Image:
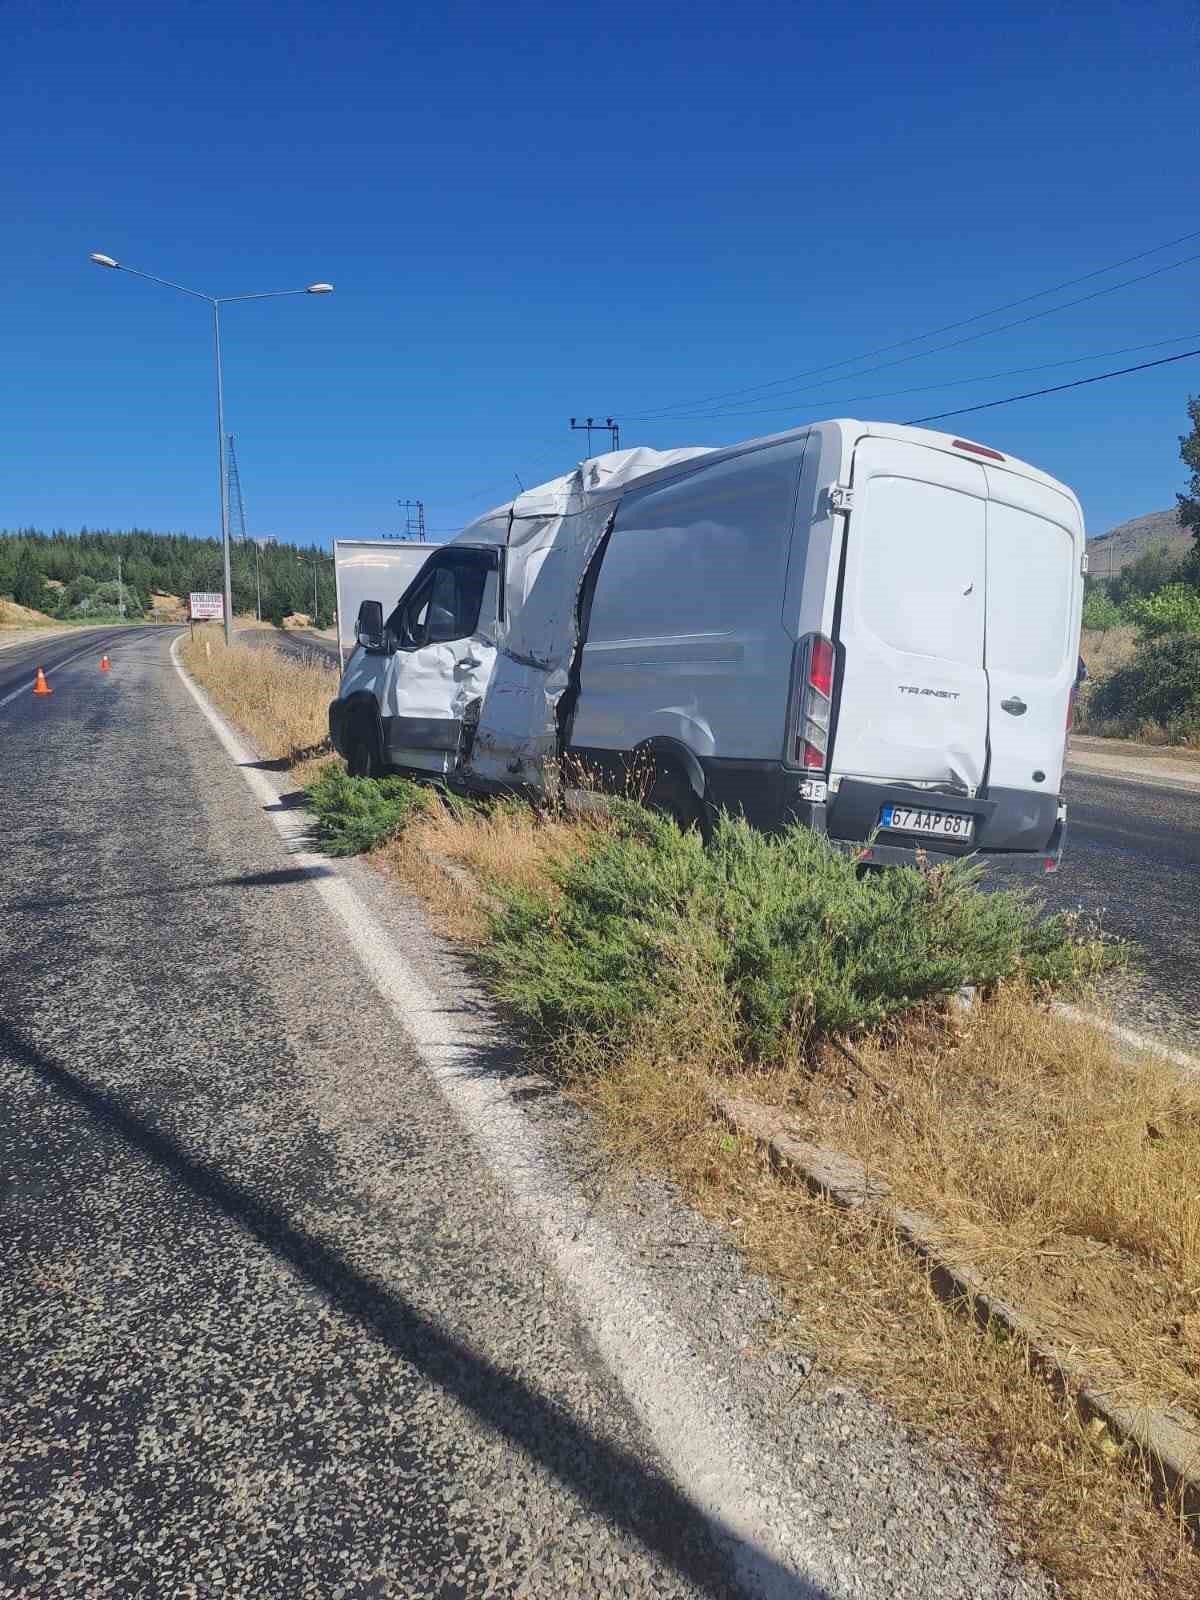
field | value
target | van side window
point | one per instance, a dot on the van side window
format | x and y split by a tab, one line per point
446	607
704	556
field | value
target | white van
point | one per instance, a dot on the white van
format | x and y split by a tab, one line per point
867	628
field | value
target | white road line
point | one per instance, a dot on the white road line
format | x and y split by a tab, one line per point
651	1361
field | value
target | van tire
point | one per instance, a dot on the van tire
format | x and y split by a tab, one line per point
672	795
362	749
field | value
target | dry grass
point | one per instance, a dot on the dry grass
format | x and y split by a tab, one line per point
1068	1177
506	843
282	703
1145	733
1105	651
863	1307
13	615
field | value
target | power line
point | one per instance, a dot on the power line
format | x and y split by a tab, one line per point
1033	394
1003	327
758	389
948	383
495	487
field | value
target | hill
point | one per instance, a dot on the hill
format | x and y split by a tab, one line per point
13	615
1109	552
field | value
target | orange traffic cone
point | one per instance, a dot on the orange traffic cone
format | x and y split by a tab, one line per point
105	664
40	685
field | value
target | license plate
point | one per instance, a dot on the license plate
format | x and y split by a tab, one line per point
938	824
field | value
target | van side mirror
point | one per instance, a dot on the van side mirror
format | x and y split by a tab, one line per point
368	628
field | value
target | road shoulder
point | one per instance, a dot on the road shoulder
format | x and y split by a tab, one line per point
1153	765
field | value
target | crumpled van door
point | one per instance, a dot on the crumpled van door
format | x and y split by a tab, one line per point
913	704
444	632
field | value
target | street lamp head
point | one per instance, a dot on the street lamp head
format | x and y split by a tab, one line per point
103	261
313	288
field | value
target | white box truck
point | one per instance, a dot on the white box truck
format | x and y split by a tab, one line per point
864	627
365	568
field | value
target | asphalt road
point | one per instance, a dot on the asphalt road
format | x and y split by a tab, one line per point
1132	862
296	1304
19	662
296	642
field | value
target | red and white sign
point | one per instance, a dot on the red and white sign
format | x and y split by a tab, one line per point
206	607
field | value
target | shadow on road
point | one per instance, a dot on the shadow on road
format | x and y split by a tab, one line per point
620	1488
243	880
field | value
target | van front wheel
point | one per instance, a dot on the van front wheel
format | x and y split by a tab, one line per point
362	750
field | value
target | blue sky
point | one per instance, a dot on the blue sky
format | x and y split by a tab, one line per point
533	210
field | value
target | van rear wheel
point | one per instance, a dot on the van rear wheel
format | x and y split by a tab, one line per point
673	796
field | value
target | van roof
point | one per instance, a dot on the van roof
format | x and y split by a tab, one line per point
852	429
619	471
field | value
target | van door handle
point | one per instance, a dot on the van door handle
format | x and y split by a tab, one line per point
1015	706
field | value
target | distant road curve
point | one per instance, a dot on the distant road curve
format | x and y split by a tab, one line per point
296	642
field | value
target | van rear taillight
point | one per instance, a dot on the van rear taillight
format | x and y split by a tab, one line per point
820	666
810	704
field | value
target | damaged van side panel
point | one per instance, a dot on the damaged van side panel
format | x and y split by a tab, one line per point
552	534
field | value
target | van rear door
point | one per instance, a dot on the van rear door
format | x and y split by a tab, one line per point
913	704
1034	555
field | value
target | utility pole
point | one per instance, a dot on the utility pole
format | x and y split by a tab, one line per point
588	423
258	544
233	491
414	519
120	589
316	566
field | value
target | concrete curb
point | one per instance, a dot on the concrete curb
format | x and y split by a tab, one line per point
462	878
1169	1439
1127	1037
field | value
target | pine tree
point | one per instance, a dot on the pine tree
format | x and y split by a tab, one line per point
1189	453
28	587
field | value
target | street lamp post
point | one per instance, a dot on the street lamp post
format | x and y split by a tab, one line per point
317	557
216	302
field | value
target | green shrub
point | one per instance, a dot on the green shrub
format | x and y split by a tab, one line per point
795	942
1173	609
1145	576
356	814
104	599
1161	684
1101	613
